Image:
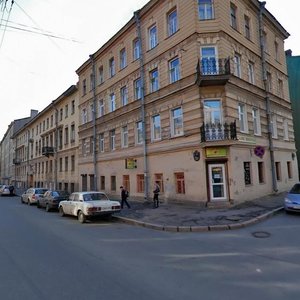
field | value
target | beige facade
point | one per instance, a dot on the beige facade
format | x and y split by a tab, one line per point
214	122
46	148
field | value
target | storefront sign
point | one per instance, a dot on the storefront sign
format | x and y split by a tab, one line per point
216	152
130	163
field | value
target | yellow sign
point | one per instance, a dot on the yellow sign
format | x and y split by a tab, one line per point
130	163
216	152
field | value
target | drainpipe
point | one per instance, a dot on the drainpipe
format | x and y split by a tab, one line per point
55	145
267	98
142	74
94	121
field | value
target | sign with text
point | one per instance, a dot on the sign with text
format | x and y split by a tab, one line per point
216	152
130	163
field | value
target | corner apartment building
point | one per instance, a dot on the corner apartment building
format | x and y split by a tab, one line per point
46	148
193	95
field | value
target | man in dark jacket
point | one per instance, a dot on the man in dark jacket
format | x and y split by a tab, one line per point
124	196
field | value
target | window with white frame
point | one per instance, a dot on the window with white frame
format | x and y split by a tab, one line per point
112	102
251	72
233	16
176	121
139	132
72	133
274	126
172	22
92	112
212	111
84	116
112	137
243	117
237	65
269	81
123	59
124	137
285	130
209	60
101	142
84	87
155	128
112	67
91	81
154	85
264	41
101	75
101	107
205	9
137	89
152	37
256	121
247	27
136	49
124	95
174	70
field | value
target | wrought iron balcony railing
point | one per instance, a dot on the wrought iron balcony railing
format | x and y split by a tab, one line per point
48	151
218	132
213	66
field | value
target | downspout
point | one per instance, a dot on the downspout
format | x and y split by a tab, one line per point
55	145
94	121
142	74
267	98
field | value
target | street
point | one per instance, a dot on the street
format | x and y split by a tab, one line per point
45	256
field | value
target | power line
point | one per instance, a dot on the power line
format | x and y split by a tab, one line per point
4	7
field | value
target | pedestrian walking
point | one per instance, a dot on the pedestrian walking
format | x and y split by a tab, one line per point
124	196
155	195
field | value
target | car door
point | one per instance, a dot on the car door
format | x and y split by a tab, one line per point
75	205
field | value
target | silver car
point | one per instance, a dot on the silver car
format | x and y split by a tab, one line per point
32	195
85	205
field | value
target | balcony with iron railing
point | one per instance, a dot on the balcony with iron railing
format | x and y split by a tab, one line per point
211	71
218	132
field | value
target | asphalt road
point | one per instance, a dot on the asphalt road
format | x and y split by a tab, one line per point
45	256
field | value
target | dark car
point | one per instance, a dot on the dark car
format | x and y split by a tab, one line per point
51	199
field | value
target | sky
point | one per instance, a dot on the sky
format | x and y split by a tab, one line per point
38	61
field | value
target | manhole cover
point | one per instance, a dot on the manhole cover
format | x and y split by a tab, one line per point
261	234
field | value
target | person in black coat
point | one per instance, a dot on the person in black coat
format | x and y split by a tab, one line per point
124	196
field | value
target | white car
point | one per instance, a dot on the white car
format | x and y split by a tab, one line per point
86	205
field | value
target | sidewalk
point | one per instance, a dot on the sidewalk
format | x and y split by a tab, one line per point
176	217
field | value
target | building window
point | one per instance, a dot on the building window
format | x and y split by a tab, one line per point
60	164
126	182
209	61
61	113
172	22
102	183
112	138
138	89
91	82
206	10
84	116
285	130
112	68
73	163
280	88
269	82
155	128
247	173
124	137
289	169
140	183
101	108
159	179
84	87
66	110
212	112
278	170
251	72
101	74
66	163
152	37
139	132
91	145
261	172
113	183
136	49
247	27
92	112
154	85
276	49
174	70
256	121
123	59
72	108
264	41
72	133
101	142
233	16
177	122
66	135
274	126
237	65
180	184
124	95
112	102
243	117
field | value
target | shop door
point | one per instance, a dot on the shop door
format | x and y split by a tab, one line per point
217	182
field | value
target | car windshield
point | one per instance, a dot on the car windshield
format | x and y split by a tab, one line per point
40	191
60	194
295	189
94	196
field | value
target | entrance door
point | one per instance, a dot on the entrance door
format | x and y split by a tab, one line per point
217	182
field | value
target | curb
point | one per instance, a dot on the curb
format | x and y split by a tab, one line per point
203	228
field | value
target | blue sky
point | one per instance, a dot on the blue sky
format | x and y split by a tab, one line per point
36	69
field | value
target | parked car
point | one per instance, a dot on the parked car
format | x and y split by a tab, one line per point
50	200
32	195
6	190
86	205
292	199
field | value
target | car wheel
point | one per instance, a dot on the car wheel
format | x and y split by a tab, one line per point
61	211
47	207
81	217
38	204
